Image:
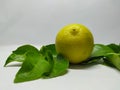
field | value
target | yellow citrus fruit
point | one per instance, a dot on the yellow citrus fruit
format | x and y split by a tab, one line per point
75	42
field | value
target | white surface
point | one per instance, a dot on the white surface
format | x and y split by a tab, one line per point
96	77
38	21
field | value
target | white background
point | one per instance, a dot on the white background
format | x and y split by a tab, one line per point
37	22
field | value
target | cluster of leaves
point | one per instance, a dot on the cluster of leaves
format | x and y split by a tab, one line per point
46	63
43	63
105	54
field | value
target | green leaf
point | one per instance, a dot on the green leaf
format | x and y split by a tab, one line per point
42	64
19	54
60	66
115	47
101	50
49	48
98	53
105	54
114	58
34	67
93	60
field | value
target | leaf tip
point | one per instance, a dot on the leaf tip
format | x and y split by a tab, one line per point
5	65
